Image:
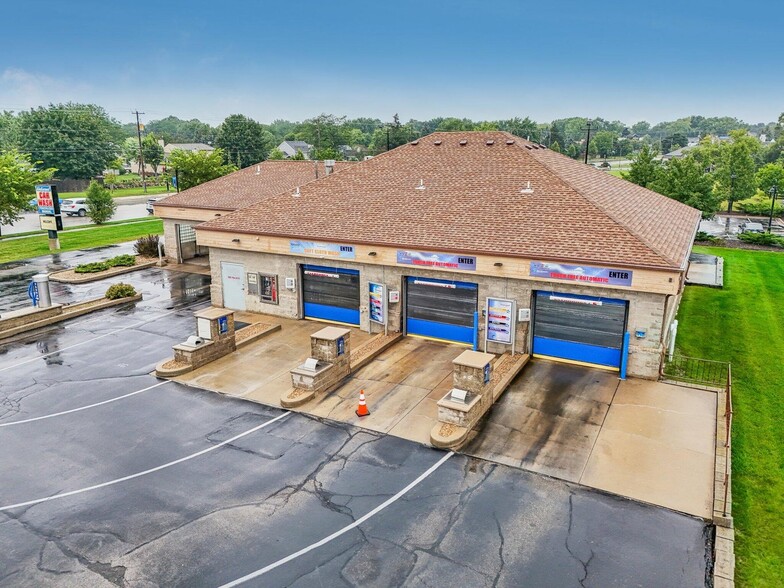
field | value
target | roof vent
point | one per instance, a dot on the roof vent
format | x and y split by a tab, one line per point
528	189
528	147
421	185
297	193
437	142
258	170
489	142
415	142
463	142
510	141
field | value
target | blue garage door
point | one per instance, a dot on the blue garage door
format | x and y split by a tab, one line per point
441	309
579	328
331	294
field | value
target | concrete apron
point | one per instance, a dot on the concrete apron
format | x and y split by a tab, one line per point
402	384
645	440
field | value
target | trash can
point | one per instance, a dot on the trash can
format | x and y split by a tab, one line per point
44	296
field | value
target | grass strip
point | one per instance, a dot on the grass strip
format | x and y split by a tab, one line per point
16	249
742	324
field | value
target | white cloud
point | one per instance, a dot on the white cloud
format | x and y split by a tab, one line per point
21	89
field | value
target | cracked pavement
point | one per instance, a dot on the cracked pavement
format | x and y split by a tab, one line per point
269	494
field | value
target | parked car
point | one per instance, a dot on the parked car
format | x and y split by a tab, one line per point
150	203
751	227
74	207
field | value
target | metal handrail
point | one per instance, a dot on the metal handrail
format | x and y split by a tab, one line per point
728	442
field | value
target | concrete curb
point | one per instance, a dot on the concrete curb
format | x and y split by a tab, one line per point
110	273
69	311
724	541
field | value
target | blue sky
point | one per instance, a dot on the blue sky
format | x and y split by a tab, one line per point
481	60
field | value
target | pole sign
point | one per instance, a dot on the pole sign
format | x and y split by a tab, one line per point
377	299
437	260
580	273
500	324
51	222
45	200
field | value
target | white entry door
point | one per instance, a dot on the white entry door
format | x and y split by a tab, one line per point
233	282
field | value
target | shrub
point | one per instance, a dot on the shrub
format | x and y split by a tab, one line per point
120	290
126	260
703	236
100	204
759	204
762	239
91	268
147	246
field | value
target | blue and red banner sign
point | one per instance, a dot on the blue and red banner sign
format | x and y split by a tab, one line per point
45	200
581	273
437	260
322	249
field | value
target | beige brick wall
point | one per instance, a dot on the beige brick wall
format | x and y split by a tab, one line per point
646	310
170	244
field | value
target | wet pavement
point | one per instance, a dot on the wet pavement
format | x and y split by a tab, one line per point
109	481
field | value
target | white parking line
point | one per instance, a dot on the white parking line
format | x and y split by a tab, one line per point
145	472
37	357
342	531
57	414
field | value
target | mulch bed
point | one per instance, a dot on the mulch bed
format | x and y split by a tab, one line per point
71	277
739	245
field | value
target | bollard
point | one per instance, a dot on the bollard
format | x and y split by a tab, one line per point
44	296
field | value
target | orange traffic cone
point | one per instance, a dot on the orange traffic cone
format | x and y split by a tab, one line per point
362	410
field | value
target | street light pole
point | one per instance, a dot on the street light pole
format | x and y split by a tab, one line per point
774	189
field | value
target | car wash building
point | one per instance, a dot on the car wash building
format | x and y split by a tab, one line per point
183	211
479	239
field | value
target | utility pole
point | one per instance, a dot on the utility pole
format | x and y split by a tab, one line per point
141	155
387	137
587	140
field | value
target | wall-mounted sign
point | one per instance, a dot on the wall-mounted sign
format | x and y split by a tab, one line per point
377	303
322	249
437	260
223	325
341	344
268	288
45	199
487	373
581	273
500	320
51	223
252	280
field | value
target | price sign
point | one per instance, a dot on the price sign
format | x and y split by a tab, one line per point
377	301
500	320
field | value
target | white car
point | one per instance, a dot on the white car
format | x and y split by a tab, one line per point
74	207
751	227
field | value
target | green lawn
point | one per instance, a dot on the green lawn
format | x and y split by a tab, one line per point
15	249
76	227
742	323
120	192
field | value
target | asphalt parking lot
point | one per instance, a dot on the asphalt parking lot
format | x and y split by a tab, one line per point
114	478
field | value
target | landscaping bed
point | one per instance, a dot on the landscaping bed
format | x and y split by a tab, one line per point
73	276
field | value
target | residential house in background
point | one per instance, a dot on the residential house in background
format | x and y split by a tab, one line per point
290	148
192	147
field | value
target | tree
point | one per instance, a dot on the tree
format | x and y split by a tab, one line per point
604	141
196	167
130	152
174	130
641	128
685	180
390	135
152	152
555	147
520	127
80	140
326	153
735	172
9	131
769	175
276	154
298	156
324	130
18	177
243	140
644	169
455	124
100	204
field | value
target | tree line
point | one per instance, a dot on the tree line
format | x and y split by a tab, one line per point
82	140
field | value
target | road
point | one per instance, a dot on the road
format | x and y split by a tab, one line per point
113	478
128	207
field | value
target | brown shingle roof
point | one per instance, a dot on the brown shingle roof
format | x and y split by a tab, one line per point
473	201
249	185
